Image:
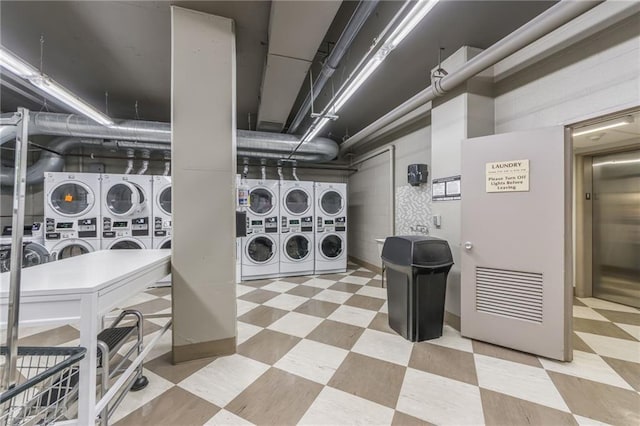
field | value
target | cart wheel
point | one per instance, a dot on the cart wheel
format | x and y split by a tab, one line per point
140	383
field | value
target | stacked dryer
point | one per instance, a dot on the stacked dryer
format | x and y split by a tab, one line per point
33	252
331	227
296	232
260	248
126	211
71	213
162	222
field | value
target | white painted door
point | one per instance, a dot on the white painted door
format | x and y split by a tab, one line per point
516	241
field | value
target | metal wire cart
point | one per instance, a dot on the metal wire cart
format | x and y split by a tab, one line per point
47	388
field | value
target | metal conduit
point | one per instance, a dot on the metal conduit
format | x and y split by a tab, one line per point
543	24
359	17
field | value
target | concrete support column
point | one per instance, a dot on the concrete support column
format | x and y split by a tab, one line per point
203	116
464	113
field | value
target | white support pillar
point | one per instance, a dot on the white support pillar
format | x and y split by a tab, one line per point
466	112
203	117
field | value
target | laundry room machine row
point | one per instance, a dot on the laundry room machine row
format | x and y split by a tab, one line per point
302	233
85	212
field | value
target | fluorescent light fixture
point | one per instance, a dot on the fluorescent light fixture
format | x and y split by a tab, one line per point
72	101
355	84
606	163
315	130
618	123
26	71
16	65
409	22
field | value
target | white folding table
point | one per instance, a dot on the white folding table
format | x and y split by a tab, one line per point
84	289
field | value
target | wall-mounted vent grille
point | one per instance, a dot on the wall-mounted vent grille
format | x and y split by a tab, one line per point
511	294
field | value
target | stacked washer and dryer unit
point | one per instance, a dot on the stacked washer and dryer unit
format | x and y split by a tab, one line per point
313	229
297	235
331	227
72	214
261	246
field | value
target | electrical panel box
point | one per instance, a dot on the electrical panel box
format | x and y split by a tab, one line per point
417	174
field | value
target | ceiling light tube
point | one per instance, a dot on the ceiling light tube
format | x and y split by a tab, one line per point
618	123
72	101
316	129
409	22
355	84
16	65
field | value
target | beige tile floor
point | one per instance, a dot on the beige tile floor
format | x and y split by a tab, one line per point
318	351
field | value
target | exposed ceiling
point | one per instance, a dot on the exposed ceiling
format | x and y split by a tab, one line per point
123	47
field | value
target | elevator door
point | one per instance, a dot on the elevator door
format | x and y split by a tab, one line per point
616	227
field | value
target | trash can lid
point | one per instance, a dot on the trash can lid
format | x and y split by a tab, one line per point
414	250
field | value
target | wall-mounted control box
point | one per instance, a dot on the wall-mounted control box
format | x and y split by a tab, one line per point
417	174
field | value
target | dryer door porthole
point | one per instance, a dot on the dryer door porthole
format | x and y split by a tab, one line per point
71	199
297	248
166	245
261	249
331	202
73	249
261	201
125	198
297	201
164	200
331	247
126	245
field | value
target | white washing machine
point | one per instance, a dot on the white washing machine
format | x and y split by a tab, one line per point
162	212
260	248
34	251
71	213
297	237
126	211
331	227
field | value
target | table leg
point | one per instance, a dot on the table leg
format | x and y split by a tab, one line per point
88	339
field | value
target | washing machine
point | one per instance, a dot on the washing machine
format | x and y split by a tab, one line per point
71	213
161	212
331	227
260	248
34	251
297	256
126	211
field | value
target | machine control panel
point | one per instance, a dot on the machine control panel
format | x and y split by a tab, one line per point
341	224
159	223
87	228
284	225
271	225
267	225
298	224
140	227
59	230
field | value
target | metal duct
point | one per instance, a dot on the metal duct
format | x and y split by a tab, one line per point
263	169
249	143
130	156
359	17
543	24
145	154
167	164
293	171
52	160
49	161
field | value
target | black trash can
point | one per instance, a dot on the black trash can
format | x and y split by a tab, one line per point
417	269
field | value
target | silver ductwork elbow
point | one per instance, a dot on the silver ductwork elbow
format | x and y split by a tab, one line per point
130	157
263	169
293	171
145	161
167	163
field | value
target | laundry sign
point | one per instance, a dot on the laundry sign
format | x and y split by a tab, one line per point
507	176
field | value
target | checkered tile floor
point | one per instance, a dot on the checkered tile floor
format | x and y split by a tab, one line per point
318	350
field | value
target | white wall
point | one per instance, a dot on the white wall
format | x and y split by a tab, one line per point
598	75
369	196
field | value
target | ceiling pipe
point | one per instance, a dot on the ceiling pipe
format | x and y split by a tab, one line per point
543	24
249	143
357	20
50	160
